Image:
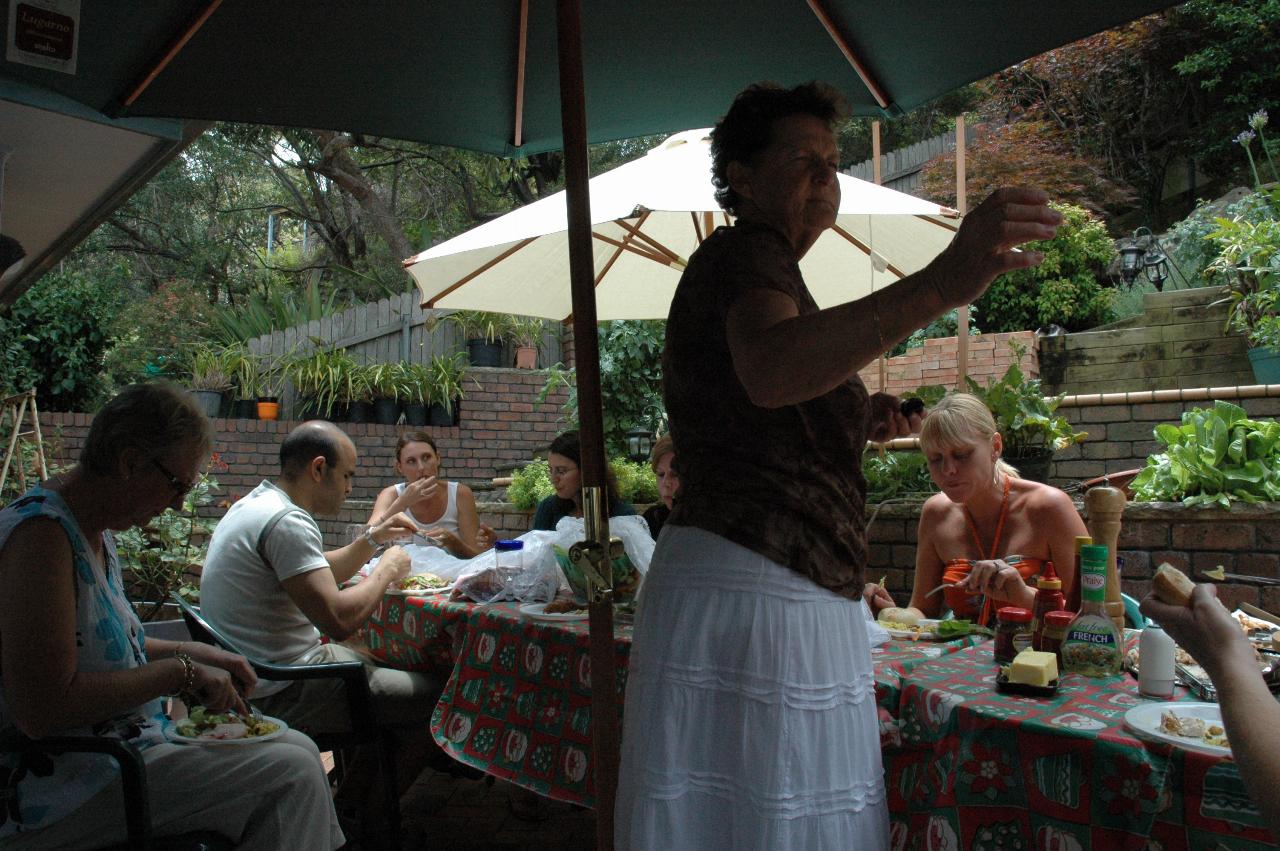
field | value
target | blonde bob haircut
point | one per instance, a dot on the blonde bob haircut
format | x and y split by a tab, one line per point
958	419
663	446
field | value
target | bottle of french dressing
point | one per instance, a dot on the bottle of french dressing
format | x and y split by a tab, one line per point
1092	646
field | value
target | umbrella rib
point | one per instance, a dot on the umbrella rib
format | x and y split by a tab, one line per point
520	62
627	245
873	85
866	249
697	226
173	50
950	214
431	302
648	240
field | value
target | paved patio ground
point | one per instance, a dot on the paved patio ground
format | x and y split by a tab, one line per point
441	811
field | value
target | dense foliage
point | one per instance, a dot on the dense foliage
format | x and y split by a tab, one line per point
1214	457
1028	420
896	475
1063	290
54	337
532	483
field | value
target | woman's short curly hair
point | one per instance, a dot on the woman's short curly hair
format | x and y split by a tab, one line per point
747	128
153	418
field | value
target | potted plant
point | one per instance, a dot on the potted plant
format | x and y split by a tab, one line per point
446	376
525	333
1027	420
209	377
386	384
268	384
357	395
318	379
483	332
1248	264
419	392
244	366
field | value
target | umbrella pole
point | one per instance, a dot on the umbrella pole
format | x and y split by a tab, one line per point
604	689
962	313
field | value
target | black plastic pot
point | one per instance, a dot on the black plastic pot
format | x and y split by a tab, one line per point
1034	467
438	415
359	412
483	353
386	411
415	414
210	401
245	409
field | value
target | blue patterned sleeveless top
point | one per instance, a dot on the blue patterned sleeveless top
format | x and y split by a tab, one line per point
37	790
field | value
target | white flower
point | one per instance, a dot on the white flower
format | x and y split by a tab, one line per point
1246	137
1258	120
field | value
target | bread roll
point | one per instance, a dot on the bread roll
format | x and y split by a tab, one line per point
1172	585
893	614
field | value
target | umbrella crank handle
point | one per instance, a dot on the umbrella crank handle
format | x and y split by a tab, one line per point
589	557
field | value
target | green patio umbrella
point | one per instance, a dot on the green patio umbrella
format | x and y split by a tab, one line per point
518	77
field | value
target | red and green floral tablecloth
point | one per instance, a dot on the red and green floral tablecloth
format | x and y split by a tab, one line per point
517	703
976	769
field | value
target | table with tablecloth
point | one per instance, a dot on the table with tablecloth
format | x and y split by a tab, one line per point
517	703
978	769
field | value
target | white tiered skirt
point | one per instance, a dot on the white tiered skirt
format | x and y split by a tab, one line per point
750	715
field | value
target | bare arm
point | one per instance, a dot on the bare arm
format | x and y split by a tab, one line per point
45	692
1062	524
783	358
473	537
339	612
1250	714
389	503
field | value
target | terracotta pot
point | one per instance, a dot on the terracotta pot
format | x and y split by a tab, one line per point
526	357
268	409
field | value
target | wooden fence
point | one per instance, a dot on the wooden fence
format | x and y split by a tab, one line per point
900	169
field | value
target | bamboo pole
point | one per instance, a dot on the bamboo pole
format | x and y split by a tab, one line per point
962	313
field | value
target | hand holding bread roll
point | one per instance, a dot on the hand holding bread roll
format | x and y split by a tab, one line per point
1172	586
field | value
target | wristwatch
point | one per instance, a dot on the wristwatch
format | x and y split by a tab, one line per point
367	534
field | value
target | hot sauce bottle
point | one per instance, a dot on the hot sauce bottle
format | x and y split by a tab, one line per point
1049	598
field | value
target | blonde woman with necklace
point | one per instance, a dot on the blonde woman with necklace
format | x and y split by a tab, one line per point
989	533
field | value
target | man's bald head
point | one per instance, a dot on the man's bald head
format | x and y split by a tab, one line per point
313	439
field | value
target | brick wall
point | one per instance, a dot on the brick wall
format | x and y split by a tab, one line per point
1244	539
501	424
935	362
1122	436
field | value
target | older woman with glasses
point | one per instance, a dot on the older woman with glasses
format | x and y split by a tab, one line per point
750	717
563	461
74	659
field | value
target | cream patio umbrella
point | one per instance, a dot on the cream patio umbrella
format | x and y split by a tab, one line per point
647	217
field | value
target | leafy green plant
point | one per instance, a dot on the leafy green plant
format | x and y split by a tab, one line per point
210	367
321	376
636	481
418	384
446	377
1214	457
1248	264
1063	290
480	325
385	380
891	475
259	315
167	554
1026	418
525	330
530	485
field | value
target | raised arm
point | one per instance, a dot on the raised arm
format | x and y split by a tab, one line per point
44	691
473	537
783	358
389	502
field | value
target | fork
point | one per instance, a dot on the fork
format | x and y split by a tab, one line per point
944	586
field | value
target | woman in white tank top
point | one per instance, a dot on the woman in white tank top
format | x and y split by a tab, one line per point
443	511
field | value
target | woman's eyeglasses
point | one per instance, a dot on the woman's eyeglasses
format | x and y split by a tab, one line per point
180	487
562	471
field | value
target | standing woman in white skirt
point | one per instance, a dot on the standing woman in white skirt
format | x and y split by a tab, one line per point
750	711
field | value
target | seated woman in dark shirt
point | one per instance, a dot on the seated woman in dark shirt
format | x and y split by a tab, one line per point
662	460
564	458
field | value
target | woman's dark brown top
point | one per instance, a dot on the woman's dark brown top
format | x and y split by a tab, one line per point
787	482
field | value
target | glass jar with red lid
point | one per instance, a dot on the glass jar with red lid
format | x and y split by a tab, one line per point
1013	633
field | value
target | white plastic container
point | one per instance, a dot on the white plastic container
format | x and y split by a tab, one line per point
1155	663
509	560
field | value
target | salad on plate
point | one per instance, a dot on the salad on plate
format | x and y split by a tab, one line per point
204	726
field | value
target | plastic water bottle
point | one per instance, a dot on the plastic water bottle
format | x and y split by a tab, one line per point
1155	663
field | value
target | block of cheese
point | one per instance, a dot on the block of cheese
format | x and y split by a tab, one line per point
1034	668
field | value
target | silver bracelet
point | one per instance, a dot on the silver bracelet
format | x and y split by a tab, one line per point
367	534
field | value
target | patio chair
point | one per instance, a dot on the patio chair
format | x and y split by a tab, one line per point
365	729
133	779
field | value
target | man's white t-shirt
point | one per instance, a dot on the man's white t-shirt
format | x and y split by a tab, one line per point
241	595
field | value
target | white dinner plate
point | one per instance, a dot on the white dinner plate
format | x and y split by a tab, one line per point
926	631
1144	722
171	732
538	612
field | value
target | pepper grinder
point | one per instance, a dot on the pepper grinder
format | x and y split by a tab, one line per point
1105	505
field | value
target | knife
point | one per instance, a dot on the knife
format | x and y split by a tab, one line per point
1261	614
1242	577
